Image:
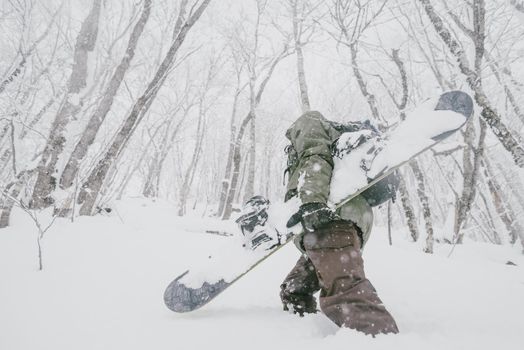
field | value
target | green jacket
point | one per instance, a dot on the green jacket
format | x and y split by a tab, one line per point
310	165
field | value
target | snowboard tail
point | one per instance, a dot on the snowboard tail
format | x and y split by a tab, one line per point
182	295
180	298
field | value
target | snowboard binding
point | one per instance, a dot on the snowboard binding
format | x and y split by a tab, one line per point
252	223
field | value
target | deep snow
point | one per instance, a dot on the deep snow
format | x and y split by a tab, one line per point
103	280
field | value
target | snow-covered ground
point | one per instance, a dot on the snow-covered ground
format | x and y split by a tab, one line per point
103	280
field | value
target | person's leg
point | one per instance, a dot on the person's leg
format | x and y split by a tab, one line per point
347	297
296	292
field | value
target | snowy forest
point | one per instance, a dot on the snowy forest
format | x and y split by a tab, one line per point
171	114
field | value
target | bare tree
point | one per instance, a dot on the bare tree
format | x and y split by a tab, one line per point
258	69
41	228
401	104
91	187
300	10
99	115
232	144
169	135
200	132
168	139
26	54
426	211
489	114
414	26
85	43
252	59
409	211
472	157
10	196
157	130
257	97
514	190
518	5
352	18
502	204
493	65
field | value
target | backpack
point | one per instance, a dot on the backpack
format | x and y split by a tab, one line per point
384	189
376	195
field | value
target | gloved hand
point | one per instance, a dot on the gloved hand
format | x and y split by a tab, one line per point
312	216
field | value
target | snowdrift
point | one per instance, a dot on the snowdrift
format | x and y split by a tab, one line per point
103	279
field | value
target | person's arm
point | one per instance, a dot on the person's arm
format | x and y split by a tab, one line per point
311	138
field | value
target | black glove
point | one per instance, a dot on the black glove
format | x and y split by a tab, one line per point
312	216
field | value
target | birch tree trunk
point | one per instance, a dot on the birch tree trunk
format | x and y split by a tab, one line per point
98	117
8	201
151	187
236	159
235	173
252	60
502	204
85	43
201	127
91	187
477	37
509	92
351	41
463	204
370	98
426	211
152	180
516	189
249	190
232	146
409	212
429	54
133	168
407	206
512	178
469	186
297	36
190	172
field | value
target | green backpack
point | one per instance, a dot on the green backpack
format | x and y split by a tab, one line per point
383	190
386	188
376	195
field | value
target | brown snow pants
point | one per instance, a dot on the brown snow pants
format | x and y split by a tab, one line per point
346	295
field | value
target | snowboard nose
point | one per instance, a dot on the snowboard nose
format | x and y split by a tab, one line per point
457	101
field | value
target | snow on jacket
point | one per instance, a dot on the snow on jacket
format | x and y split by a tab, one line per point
310	166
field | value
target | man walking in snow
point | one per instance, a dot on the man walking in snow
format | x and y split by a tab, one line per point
331	241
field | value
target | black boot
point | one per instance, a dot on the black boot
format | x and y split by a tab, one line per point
296	292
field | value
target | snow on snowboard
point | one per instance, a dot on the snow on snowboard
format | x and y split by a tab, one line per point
366	164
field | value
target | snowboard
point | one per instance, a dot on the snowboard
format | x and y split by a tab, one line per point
365	163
